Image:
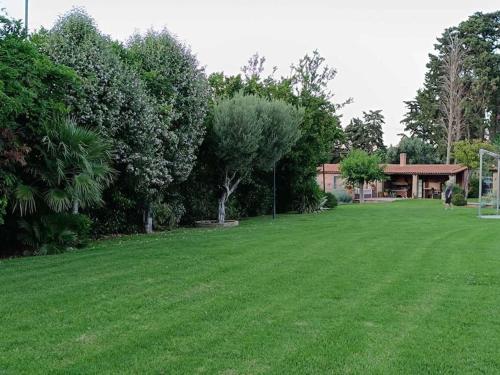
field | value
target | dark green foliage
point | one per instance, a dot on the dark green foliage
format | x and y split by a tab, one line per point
32	92
70	168
310	198
416	149
320	130
3	206
54	233
366	134
422	120
479	36
119	215
168	215
250	134
457	189
139	109
359	167
458	199
331	200
473	187
320	133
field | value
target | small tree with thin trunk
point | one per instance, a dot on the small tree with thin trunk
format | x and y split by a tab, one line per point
250	133
359	168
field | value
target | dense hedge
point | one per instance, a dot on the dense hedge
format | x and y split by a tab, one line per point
147	100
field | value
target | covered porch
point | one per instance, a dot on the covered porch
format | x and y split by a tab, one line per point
424	186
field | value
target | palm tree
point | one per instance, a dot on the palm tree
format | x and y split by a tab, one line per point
72	171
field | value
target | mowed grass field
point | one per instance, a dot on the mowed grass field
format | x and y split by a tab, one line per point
400	288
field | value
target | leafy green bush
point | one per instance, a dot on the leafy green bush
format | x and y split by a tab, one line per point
3	205
54	233
456	189
343	197
458	199
310	197
168	215
331	200
473	187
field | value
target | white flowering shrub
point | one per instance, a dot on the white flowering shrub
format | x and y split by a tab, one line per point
149	99
174	78
115	101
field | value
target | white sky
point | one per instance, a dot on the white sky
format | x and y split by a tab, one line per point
379	47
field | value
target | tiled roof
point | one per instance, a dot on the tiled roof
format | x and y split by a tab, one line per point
442	169
329	168
424	168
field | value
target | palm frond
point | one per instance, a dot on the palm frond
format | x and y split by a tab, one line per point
25	199
58	200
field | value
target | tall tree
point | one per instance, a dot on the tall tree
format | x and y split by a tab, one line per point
175	79
320	130
366	134
32	93
479	40
417	151
115	102
422	120
452	94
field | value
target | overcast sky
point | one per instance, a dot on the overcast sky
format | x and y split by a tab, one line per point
379	47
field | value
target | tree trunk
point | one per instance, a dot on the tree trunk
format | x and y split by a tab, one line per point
448	150
452	94
222	208
228	190
362	193
148	222
75	207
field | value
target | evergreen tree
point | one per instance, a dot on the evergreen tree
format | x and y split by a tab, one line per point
366	134
479	37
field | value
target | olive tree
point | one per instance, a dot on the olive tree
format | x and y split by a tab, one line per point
250	133
359	168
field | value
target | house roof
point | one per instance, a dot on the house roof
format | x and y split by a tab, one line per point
436	169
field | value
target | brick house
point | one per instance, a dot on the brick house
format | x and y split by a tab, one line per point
402	180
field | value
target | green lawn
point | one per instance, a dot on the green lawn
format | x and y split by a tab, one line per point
383	288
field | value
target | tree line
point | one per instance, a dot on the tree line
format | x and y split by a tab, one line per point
460	98
100	137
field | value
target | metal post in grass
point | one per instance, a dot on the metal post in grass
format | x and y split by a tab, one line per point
26	17
480	182
274	191
498	182
324	183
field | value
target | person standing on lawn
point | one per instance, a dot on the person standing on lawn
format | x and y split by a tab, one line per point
448	192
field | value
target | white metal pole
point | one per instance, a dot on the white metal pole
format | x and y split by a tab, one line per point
480	182
498	182
26	17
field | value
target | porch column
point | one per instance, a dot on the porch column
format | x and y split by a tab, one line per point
414	186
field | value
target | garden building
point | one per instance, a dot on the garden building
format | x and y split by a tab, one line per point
402	180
